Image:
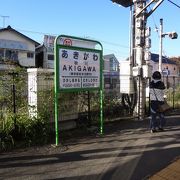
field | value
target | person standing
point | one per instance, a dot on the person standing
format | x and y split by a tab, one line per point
156	98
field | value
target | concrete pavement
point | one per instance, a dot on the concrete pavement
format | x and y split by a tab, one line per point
127	150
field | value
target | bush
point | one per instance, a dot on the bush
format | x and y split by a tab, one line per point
6	139
28	131
19	128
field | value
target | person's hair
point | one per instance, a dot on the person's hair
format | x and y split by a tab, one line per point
156	75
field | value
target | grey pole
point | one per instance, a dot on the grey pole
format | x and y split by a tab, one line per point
130	36
139	45
140	26
160	44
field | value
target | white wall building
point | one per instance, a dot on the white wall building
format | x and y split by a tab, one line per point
169	67
111	73
16	48
170	71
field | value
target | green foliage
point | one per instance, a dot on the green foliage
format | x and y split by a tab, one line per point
35	130
6	139
173	97
177	94
20	127
32	130
29	130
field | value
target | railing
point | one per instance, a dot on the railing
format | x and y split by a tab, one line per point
14	98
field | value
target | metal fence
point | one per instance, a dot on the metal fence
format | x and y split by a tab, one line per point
15	99
13	93
172	91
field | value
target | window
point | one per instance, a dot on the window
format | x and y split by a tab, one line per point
113	65
114	83
106	65
30	55
11	55
1	54
50	57
107	80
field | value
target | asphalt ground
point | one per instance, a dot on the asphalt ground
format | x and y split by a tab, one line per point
127	150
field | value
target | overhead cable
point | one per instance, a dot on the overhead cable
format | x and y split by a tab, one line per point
174	3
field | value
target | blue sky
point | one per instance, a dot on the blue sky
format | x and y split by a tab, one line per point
94	19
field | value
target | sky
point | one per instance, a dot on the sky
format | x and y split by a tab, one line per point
99	20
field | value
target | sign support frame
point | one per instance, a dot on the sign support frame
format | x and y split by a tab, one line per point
57	88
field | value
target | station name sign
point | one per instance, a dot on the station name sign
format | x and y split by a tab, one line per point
79	68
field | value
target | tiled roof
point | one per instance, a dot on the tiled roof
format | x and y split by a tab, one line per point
9	28
155	58
109	56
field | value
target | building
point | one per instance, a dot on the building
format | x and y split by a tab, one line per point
177	61
111	73
45	59
45	53
170	71
16	48
169	67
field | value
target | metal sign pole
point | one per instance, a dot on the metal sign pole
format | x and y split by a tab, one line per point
56	118
56	89
78	67
101	97
101	112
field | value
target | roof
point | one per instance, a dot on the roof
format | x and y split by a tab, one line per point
20	34
40	46
125	3
109	56
165	60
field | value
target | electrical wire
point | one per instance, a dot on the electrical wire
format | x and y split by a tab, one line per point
36	32
174	3
156	28
43	33
104	42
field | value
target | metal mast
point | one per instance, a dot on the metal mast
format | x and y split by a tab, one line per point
140	26
140	47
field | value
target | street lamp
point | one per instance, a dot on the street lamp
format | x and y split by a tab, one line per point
172	35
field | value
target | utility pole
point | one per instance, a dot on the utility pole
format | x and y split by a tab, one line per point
140	27
172	35
160	45
140	45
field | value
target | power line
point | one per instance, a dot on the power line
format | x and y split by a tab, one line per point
43	33
116	51
104	42
156	28
114	44
174	3
36	32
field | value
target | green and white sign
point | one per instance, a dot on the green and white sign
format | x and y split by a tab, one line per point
78	64
78	67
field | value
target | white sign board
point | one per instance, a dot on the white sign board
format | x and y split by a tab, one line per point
79	69
49	42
